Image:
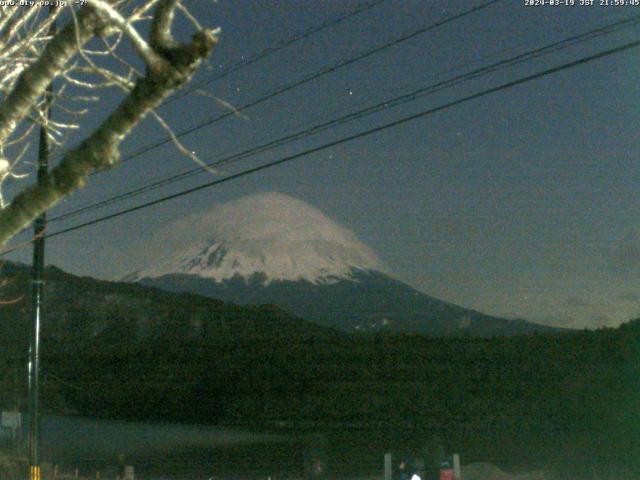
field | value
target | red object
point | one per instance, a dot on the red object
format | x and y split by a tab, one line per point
446	474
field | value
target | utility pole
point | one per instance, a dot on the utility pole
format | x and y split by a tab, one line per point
37	292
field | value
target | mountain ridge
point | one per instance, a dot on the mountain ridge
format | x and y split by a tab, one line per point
371	301
272	248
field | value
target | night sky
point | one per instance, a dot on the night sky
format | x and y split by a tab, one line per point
520	204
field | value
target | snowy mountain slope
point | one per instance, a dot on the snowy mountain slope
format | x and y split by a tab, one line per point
271	234
273	249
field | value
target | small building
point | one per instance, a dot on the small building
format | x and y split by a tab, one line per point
10	425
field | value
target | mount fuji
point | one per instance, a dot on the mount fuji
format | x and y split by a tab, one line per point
270	248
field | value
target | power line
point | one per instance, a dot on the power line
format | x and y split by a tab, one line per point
389	103
328	23
331	22
309	78
366	133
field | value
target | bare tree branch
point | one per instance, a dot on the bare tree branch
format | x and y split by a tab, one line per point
33	81
113	16
169	65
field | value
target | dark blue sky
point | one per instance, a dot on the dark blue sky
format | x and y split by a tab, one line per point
522	203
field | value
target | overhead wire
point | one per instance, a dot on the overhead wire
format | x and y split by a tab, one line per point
311	77
388	103
328	23
349	138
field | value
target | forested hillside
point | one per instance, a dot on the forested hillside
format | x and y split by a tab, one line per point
571	400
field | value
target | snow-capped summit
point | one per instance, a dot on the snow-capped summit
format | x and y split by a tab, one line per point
273	235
